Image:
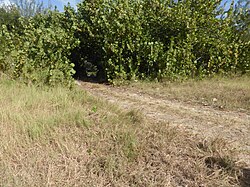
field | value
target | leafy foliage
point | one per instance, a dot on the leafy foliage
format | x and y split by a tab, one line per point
39	50
9	15
127	40
242	18
155	39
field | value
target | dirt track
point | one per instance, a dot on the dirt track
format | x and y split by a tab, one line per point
203	121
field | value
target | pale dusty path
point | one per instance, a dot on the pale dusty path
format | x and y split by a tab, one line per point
203	121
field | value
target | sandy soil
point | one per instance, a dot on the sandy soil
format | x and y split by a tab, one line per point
203	121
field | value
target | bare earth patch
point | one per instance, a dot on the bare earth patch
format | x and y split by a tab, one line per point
203	121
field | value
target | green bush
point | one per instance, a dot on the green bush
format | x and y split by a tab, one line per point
155	39
127	40
114	41
39	50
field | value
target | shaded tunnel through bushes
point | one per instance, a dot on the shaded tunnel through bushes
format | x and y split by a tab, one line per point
87	66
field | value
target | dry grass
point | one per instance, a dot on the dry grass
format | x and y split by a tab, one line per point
61	137
223	93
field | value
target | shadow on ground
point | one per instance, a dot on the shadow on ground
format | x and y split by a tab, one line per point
245	179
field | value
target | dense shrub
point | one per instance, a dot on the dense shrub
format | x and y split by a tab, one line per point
38	50
129	39
9	15
154	39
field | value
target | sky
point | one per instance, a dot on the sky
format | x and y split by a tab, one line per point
60	3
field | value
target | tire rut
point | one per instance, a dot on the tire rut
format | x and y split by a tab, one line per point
202	121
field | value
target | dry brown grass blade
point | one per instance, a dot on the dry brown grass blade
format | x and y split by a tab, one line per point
60	137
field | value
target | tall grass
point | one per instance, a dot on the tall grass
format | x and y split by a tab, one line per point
62	137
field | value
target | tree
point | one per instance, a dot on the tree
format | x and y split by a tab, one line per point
242	18
29	8
9	15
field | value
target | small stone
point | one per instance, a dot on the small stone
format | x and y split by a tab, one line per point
78	83
215	100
